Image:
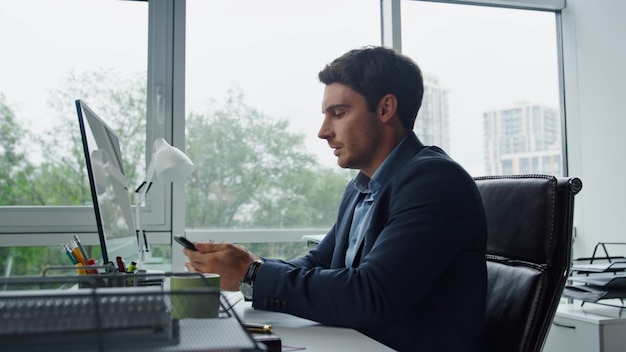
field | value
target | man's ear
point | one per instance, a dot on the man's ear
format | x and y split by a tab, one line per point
388	107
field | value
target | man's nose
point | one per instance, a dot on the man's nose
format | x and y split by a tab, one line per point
324	132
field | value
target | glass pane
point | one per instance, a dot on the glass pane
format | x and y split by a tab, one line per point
54	52
491	85
278	250
32	261
253	105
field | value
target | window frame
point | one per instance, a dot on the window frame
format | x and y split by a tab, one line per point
164	213
50	225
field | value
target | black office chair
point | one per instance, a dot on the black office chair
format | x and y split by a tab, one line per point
529	219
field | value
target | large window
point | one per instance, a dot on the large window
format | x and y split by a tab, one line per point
253	105
492	85
248	97
54	52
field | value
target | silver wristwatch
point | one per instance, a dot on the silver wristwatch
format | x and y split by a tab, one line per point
247	283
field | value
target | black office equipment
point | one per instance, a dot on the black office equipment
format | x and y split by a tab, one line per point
599	279
529	243
108	185
37	314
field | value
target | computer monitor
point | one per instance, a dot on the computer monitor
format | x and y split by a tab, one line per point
109	190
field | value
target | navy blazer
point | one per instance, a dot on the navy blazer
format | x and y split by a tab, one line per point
419	282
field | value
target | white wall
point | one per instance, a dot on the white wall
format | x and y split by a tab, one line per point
595	93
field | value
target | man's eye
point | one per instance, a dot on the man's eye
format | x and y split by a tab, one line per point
338	114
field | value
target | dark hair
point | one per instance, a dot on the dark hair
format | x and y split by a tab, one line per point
375	72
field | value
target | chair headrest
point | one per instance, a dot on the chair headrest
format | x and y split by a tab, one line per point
520	214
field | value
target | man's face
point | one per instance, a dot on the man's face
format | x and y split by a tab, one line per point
350	128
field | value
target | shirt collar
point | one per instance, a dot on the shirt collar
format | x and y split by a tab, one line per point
398	156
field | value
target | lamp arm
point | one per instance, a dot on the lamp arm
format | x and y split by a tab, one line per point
140	197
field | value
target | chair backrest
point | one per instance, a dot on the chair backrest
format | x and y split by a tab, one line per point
529	242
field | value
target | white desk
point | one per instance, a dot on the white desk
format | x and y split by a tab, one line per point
590	328
296	333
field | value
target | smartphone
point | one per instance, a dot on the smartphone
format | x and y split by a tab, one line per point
185	242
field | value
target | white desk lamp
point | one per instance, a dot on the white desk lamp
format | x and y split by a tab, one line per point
169	164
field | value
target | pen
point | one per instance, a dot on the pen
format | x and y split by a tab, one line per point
69	254
79	269
79	257
80	247
258	328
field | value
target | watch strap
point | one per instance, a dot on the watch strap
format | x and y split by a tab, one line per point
252	271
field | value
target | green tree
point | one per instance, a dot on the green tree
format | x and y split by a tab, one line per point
16	187
251	170
121	102
16	181
243	155
60	178
304	198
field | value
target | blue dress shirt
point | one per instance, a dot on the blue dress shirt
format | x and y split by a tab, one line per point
368	189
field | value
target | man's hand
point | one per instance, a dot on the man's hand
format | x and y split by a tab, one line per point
229	260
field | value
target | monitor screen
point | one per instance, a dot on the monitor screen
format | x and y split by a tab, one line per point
109	190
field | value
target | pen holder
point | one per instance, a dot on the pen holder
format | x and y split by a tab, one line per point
91	276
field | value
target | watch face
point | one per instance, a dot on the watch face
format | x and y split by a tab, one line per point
246	290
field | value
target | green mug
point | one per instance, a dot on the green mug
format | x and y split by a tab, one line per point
192	296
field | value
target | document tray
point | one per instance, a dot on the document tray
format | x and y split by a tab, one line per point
110	319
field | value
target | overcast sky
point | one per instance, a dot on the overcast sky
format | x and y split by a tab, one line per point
488	58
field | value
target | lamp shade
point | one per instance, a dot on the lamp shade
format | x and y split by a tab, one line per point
170	163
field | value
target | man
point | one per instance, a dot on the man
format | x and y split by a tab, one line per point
405	261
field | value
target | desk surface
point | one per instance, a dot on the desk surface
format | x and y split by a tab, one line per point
297	333
592	313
